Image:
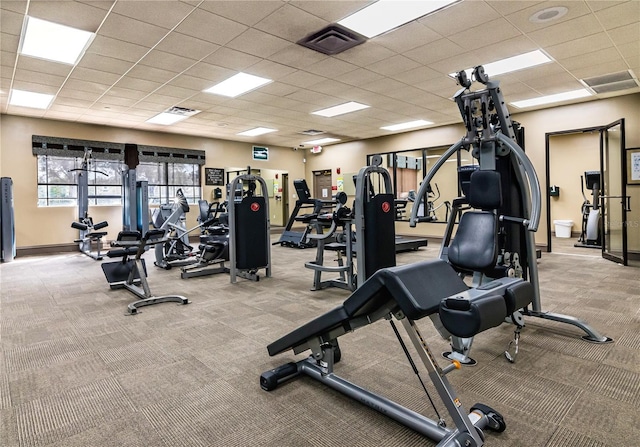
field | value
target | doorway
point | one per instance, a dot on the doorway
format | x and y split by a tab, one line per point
573	157
322	184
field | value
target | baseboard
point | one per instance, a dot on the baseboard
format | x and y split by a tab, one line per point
45	249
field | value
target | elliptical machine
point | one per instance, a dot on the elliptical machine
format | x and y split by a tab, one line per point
590	234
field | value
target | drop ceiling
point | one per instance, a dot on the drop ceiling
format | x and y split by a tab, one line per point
148	56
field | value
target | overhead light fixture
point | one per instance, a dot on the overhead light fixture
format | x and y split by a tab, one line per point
514	63
321	141
408	125
385	15
54	42
238	84
341	109
574	94
255	132
172	116
23	98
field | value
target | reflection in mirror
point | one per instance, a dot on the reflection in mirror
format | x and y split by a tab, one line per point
408	169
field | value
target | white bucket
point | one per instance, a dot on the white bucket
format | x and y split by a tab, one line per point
563	228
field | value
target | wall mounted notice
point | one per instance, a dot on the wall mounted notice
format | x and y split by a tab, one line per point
260	153
214	176
635	166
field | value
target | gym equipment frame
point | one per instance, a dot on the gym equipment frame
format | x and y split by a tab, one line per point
491	136
131	274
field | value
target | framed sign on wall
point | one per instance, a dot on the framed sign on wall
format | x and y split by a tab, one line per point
260	153
214	176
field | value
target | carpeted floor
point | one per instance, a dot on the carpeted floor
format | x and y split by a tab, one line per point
75	371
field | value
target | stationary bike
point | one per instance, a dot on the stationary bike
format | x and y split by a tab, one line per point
590	235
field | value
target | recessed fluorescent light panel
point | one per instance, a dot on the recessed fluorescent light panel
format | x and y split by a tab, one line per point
30	99
172	116
238	84
340	109
257	131
515	63
321	141
408	125
54	42
385	15
574	94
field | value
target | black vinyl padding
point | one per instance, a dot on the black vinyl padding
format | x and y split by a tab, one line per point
101	225
464	318
485	191
474	246
415	289
518	296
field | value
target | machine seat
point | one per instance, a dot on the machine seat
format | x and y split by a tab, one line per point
415	289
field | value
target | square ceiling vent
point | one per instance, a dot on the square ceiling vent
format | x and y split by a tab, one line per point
312	132
332	39
612	82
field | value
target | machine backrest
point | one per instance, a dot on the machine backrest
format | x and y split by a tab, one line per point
475	246
203	206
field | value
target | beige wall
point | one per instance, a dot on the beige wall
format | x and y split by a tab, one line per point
44	226
352	155
51	225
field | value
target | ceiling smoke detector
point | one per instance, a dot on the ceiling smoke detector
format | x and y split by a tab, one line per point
332	39
612	82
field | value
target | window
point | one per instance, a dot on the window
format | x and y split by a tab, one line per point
58	181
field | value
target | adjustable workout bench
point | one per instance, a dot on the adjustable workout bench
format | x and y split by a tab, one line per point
408	293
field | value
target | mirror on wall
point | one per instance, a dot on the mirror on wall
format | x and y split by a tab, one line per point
409	167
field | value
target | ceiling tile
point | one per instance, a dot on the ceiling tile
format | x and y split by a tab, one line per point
393	65
331	11
302	79
599	70
166	14
413	35
630	50
43	78
104	63
477	37
91	75
240	12
566	31
39	86
186	46
595	57
210	72
269	70
85	86
72	102
131	30
210	27
578	46
116	49
625	34
619	15
297	56
110	100
365	54
459	17
508	7
9	42
435	51
331	68
175	92
232	59
43	66
126	93
360	76
150	73
279	88
258	43
11	22
166	61
72	92
383	86
19	6
142	85
191	82
291	23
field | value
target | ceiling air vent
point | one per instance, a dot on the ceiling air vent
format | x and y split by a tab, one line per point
312	132
332	39
181	111
612	82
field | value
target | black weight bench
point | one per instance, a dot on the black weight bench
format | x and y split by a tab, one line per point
407	293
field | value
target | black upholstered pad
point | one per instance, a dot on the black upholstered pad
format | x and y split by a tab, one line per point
321	325
474	246
416	289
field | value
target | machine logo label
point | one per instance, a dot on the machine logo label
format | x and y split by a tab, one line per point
386	207
255	206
